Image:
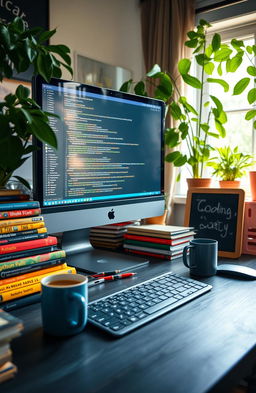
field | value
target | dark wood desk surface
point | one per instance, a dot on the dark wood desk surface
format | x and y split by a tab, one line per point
205	346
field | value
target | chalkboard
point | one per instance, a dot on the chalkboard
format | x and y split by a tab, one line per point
217	213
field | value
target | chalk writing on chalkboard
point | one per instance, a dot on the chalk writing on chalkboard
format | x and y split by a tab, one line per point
217	215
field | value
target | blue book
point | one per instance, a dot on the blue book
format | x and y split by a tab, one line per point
19	205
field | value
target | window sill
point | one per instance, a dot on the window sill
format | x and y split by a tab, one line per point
179	199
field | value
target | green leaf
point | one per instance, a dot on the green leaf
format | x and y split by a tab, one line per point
176	158
18	25
237	44
216	40
139	89
27	115
171	137
184	66
44	67
251	97
219	69
5	36
221	82
250	114
155	70
22	92
251	70
254	124
209	68
249	49
126	86
241	86
192	81
189	107
192	43
11	151
234	63
222	54
23	181
175	110
217	102
205	127
46	35
220	128
43	132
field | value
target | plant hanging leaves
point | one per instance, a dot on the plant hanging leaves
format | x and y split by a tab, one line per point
184	66
216	42
221	82
192	81
250	114
251	97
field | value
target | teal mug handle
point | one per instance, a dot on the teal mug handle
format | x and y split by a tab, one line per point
82	313
185	256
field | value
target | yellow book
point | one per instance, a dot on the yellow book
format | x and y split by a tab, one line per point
23	227
31	287
20	221
8	284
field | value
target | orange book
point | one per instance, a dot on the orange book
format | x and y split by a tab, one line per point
32	286
23	227
13	282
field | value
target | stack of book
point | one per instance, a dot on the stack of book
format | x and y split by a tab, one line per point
10	327
109	236
158	241
27	253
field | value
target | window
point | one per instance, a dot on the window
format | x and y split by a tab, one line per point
240	132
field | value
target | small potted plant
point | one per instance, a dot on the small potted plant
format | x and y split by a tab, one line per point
230	166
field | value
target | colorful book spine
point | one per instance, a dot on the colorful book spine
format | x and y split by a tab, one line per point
21	246
25	238
10	192
21	302
21	233
155	245
156	250
32	286
20	221
30	268
154	255
24	227
19	205
158	239
14	198
11	283
26	253
32	259
19	213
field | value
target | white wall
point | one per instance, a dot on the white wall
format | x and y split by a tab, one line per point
104	30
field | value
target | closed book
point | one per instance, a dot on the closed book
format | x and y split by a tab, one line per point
49	241
30	260
10	326
25	238
21	302
19	205
155	245
23	227
154	255
155	250
172	242
26	253
10	192
32	286
7	371
164	231
30	268
6	356
16	282
21	233
19	213
14	198
19	221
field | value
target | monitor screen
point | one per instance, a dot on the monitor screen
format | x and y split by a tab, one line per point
108	167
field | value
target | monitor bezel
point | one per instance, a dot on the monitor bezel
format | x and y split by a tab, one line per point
37	84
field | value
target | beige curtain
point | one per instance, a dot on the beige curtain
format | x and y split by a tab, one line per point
164	27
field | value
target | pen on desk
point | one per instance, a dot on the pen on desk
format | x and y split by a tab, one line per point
105	273
110	278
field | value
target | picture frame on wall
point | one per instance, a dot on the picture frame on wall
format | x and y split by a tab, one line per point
94	72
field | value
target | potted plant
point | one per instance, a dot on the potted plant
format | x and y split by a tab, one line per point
191	125
20	116
230	166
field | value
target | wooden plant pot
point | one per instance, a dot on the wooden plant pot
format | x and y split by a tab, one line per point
199	182
229	183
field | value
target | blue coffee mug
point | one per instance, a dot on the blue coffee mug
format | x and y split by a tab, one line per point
64	304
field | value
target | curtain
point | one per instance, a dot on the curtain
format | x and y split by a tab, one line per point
164	27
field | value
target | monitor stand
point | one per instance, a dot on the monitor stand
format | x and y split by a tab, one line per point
87	259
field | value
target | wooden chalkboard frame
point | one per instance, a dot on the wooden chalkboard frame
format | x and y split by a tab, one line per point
240	214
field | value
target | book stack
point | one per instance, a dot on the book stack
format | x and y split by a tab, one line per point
158	241
27	252
109	236
10	327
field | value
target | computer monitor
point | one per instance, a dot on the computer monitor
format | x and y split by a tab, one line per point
108	167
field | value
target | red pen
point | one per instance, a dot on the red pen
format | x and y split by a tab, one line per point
105	273
110	278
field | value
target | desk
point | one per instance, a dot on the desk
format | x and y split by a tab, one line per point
205	346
